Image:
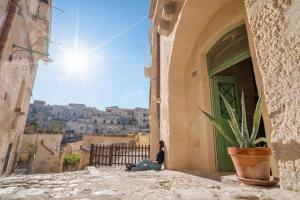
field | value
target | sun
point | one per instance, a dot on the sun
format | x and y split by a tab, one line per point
75	64
76	61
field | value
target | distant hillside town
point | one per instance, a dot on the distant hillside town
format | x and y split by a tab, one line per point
76	120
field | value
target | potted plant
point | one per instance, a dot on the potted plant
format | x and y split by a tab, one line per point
250	162
71	160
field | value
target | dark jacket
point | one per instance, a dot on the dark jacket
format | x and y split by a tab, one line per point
160	156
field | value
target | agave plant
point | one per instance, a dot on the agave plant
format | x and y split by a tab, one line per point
241	133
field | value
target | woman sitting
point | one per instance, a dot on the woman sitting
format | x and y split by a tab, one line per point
150	164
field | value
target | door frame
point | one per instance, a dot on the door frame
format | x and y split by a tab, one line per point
213	70
229	63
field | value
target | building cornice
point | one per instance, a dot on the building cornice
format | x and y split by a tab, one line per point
164	14
152	9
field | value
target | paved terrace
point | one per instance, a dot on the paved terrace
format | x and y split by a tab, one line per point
114	183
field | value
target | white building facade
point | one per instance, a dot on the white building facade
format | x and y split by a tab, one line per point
76	120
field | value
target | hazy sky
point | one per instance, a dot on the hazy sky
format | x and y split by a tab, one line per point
99	48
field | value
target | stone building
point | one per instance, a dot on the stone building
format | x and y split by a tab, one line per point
24	38
142	117
77	120
200	48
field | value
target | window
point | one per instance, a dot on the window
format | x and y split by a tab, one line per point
112	122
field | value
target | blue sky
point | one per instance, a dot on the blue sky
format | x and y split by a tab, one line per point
105	66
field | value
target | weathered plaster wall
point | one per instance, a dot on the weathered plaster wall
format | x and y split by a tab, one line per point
73	147
98	139
172	123
143	139
165	46
154	104
164	23
17	76
199	130
185	130
43	160
200	24
276	29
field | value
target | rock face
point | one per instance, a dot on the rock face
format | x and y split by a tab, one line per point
115	183
276	28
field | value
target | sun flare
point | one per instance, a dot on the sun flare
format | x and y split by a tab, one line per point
80	63
76	64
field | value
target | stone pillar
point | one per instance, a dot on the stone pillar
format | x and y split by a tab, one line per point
154	108
276	28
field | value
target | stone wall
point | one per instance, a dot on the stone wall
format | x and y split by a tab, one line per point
115	139
276	28
143	139
163	15
45	156
17	75
154	103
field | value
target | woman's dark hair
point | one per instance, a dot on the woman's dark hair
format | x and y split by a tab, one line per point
161	144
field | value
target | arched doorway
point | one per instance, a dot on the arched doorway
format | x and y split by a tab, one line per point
231	71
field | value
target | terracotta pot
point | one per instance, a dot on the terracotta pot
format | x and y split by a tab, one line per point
251	163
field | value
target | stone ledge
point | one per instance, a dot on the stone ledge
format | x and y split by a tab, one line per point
230	180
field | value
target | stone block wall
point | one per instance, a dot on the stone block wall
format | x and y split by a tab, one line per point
18	70
45	156
276	28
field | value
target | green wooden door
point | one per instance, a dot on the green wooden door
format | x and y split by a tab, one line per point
226	85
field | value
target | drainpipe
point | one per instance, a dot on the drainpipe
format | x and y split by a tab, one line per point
12	9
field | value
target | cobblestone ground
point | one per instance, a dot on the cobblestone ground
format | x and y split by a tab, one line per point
114	183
